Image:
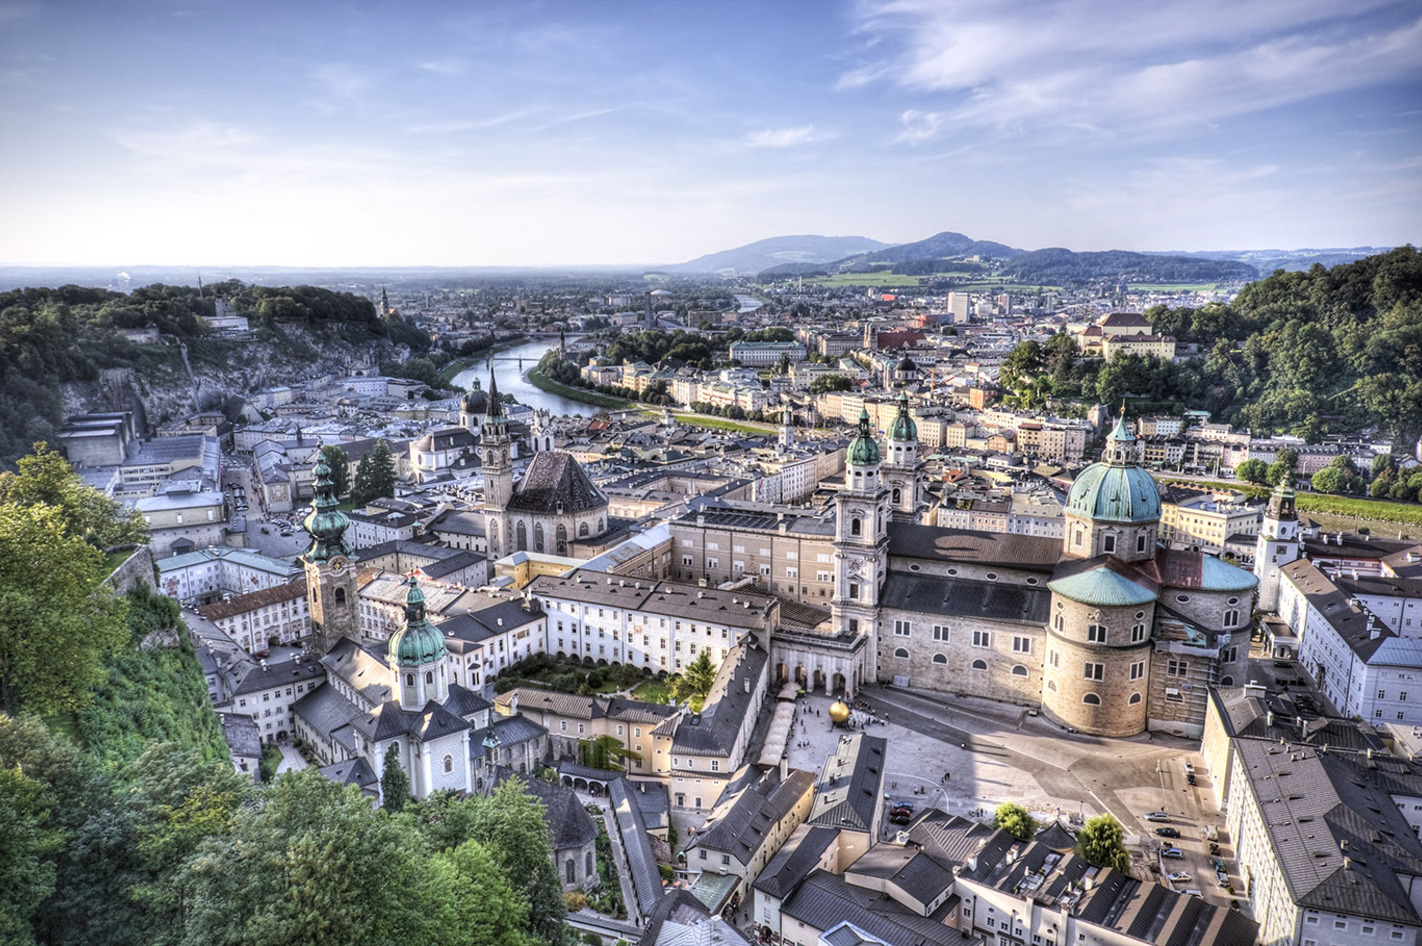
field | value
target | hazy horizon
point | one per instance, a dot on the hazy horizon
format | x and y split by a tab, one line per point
629	135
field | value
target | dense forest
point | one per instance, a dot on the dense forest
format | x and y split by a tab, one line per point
1060	267
50	337
1305	353
122	820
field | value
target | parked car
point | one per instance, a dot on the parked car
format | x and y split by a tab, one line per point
1167	832
1190	778
901	818
1179	876
1217	865
1222	878
1193	892
1172	852
1157	816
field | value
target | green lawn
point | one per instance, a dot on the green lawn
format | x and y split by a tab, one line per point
720	424
115	559
1367	510
653	691
867	279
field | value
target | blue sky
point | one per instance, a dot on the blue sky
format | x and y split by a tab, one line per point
526	133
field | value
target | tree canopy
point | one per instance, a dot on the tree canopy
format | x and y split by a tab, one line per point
1015	820
1102	842
375	475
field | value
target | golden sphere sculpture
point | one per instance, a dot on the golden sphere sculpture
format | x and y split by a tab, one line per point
839	713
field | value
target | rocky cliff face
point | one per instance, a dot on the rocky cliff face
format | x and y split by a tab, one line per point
172	380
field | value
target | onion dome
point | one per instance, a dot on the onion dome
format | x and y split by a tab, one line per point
419	642
904	429
326	523
863	451
1116	489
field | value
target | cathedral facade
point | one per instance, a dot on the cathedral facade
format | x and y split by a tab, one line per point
1105	630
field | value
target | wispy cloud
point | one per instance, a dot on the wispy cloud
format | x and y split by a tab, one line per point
457	126
919	126
784	137
1100	67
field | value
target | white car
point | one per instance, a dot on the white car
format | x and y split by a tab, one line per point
1179	877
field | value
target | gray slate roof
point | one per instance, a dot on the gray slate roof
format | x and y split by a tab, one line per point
1034	553
961	597
554	480
847	795
713	730
797	857
752	803
646	879
824	901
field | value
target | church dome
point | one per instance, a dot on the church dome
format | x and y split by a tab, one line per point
906	364
325	522
475	401
863	451
1116	489
419	642
904	429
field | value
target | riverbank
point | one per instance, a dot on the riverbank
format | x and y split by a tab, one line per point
447	373
605	401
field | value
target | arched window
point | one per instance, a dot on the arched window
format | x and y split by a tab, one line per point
1227	681
901	653
582	530
1061	622
856	527
979	664
1091	699
521	531
1052	685
1231	618
569	872
538	536
493	532
600	527
560	537
409	679
898	496
588	861
940	658
429	678
1135	698
449	763
1138	633
1096	633
1019	671
340	596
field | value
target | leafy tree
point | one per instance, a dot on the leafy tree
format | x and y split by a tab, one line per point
340	463
45	477
1279	471
27	846
1020	365
1329	480
472	901
311	864
58	621
375	475
1015	820
1381	463
830	382
1252	471
696	680
394	783
1101	842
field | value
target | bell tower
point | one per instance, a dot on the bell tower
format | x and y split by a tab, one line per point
495	453
902	471
330	572
1277	545
861	542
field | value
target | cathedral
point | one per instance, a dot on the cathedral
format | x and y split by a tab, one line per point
1106	630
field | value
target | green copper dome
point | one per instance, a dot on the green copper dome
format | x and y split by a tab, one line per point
904	428
326	523
863	451
1116	489
419	642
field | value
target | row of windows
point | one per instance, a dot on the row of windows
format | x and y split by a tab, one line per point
1017	671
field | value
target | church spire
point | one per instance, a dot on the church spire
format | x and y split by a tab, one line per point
496	409
326	523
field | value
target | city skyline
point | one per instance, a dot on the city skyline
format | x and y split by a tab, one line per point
623	134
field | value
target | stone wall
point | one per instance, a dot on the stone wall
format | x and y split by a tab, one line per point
136	570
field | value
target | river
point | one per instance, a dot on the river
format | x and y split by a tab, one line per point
512	380
748	303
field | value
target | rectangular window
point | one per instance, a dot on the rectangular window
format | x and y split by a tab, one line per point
982	639
853	592
1108	543
901	628
1092	671
1054	659
1022	645
940	633
1138	670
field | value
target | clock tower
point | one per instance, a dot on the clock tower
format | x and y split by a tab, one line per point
861	542
330	571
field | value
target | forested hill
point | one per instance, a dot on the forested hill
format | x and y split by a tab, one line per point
1061	267
1305	351
50	338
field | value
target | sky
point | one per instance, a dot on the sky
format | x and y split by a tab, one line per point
545	133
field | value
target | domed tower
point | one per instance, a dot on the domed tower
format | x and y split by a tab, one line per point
1277	545
417	655
1097	673
472	407
495	453
1114	506
902	470
787	430
861	541
330	573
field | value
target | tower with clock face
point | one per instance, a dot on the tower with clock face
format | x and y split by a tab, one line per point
861	539
330	570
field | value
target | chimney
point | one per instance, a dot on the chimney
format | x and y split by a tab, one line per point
513	704
784	769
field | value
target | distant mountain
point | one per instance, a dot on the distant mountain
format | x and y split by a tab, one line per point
1266	261
939	246
1056	266
776	251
